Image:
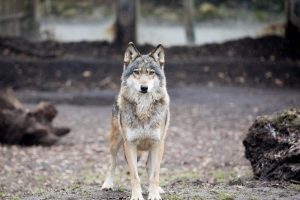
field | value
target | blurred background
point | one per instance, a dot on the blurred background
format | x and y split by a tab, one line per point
199	33
156	21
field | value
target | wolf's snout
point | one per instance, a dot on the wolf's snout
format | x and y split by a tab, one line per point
144	89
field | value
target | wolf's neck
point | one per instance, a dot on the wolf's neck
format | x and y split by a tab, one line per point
144	104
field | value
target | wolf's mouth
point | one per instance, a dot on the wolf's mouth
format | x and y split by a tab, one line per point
144	92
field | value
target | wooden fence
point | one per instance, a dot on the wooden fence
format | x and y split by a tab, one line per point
18	18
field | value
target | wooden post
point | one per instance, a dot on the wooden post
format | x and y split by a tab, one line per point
292	31
126	21
189	20
30	26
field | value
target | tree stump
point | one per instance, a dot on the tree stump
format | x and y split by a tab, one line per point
19	125
273	146
292	31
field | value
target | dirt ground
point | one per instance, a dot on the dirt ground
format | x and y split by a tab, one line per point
216	92
204	157
269	61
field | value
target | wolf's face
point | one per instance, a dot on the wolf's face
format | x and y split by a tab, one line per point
143	73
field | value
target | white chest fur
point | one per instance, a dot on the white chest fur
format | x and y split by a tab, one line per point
136	135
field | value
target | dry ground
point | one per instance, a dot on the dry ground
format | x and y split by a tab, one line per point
204	157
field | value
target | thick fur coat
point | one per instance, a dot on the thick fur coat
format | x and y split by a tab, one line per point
140	118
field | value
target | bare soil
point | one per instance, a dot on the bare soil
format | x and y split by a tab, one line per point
268	61
204	157
216	92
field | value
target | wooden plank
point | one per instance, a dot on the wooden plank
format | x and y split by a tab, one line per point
14	16
18	18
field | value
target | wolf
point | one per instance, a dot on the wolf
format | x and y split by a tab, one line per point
140	118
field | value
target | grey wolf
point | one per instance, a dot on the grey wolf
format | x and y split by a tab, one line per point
140	118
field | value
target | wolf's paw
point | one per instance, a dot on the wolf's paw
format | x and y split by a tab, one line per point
108	184
160	190
154	196
137	197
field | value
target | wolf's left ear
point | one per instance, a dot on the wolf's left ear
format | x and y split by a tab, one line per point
131	54
159	54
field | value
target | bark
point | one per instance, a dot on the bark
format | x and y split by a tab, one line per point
273	146
292	31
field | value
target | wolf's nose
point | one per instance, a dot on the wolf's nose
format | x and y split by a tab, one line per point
144	89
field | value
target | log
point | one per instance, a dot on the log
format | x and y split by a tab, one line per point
19	125
272	146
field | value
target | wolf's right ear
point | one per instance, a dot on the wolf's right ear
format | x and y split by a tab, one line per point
131	54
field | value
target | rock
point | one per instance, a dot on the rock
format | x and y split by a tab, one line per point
27	127
273	146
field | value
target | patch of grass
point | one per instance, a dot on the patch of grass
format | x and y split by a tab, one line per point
196	197
295	187
177	197
121	189
224	196
37	190
221	176
87	177
172	176
15	198
252	198
2	195
173	197
40	178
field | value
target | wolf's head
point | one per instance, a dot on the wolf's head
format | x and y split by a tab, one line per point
143	73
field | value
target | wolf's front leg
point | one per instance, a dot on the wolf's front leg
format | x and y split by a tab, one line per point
154	161
131	156
114	146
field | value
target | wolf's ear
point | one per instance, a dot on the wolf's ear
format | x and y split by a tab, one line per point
131	54
159	54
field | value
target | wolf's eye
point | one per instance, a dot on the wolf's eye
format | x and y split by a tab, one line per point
136	72
151	72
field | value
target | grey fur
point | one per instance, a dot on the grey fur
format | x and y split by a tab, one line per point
155	113
115	110
144	61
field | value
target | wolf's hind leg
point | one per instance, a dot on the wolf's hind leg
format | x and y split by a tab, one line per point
114	146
